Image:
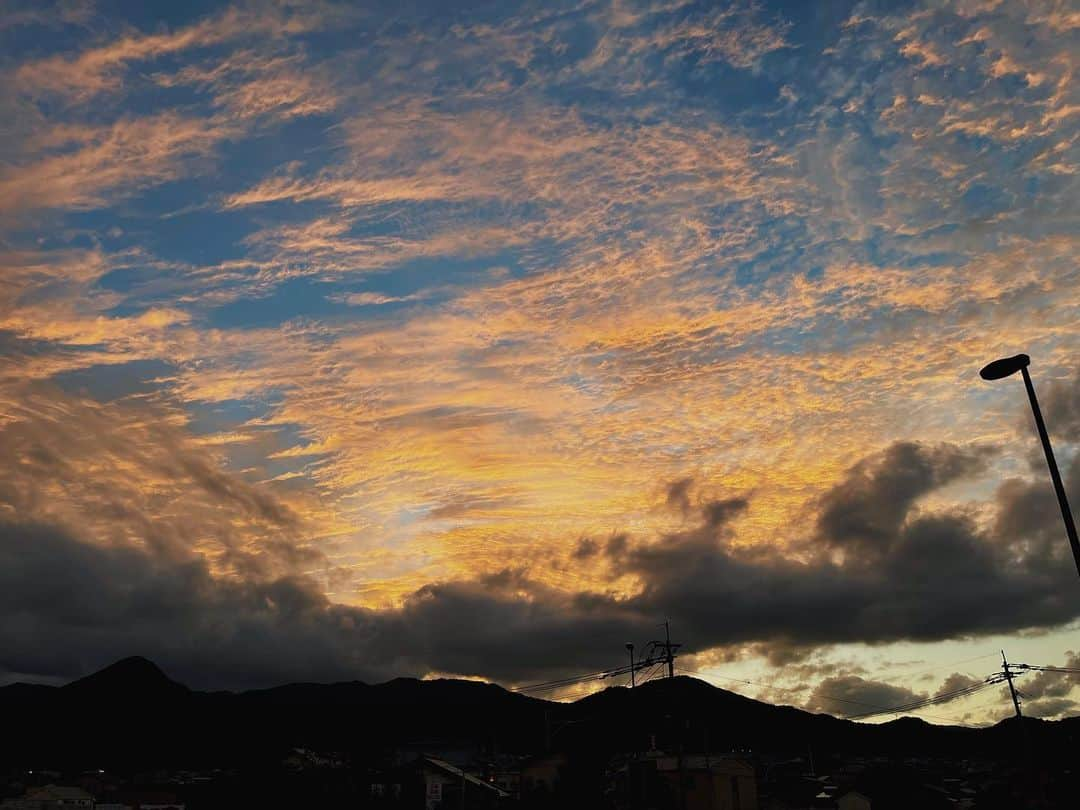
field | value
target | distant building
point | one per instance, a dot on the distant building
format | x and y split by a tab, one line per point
683	782
800	792
50	797
301	759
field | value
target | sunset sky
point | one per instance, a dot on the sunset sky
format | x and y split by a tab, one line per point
357	340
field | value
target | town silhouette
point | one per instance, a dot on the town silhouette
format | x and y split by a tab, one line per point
671	742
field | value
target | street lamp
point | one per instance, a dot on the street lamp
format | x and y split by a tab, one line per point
1006	367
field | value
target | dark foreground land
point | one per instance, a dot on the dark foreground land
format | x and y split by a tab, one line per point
129	736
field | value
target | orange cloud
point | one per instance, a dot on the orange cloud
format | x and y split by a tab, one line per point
100	69
124	157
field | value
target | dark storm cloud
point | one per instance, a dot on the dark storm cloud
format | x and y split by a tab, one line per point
69	606
1050	708
868	507
1061	407
793	657
616	545
905	574
585	548
488	628
851	694
720	513
957	680
929	577
678	494
1029	518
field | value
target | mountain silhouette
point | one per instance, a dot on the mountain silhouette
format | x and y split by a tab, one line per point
134	716
130	679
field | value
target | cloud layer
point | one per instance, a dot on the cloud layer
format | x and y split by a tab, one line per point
933	576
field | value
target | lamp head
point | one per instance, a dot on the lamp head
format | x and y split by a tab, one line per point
1004	367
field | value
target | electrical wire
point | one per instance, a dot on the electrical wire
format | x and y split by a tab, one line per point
560	682
939	667
655	672
916	705
573	680
773	686
880	709
1032	667
909	707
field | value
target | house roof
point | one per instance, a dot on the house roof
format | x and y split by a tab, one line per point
446	767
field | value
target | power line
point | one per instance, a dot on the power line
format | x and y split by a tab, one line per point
1005	676
1032	667
952	694
846	700
934	700
658	653
664	658
657	664
573	680
656	672
560	682
940	667
772	686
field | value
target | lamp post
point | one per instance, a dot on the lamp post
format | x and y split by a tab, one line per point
1006	367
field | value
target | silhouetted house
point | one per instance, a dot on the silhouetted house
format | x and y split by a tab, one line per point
505	777
658	781
444	783
894	791
542	774
50	797
456	752
853	800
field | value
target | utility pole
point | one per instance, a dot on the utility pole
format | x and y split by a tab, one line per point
655	652
1035	784
1012	689
669	649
